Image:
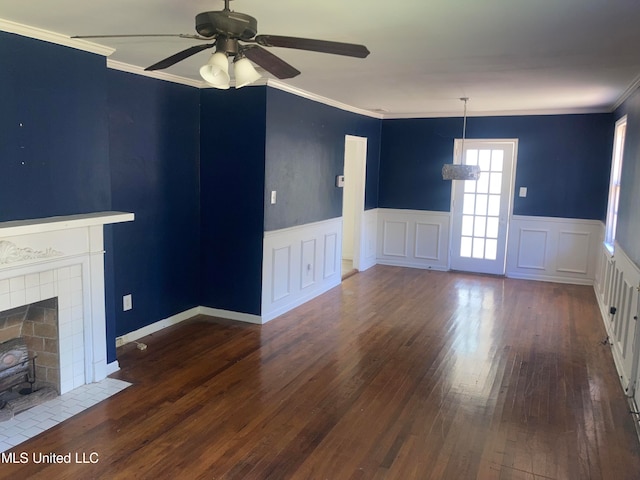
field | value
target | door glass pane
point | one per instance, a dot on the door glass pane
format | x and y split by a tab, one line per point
465	247
492	227
481	204
472	157
478	248
496	182
468	205
484	160
494	205
480	226
467	225
470	186
497	160
491	251
483	183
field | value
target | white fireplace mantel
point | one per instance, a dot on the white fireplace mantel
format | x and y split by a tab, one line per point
49	224
63	257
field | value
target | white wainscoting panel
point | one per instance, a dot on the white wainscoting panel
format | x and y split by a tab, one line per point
573	252
413	238
553	249
299	263
369	240
532	248
394	238
308	275
281	273
427	244
617	285
331	263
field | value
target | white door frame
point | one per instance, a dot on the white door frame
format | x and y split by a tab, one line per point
355	153
455	185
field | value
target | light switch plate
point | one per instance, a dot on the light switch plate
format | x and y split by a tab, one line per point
523	191
273	197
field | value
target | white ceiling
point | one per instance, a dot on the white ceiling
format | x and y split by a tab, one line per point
507	56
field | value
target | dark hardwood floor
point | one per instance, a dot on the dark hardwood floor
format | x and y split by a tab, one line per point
397	374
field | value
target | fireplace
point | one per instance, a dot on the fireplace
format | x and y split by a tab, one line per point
62	258
29	357
36	325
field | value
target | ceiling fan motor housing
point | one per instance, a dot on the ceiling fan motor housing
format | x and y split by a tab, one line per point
227	23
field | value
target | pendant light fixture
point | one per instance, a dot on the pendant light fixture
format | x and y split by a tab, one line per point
459	171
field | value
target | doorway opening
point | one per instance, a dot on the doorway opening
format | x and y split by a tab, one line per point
355	164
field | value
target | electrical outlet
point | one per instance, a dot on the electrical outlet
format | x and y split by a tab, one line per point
119	341
127	303
273	197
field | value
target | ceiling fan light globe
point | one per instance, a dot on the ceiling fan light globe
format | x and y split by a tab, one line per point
218	79
216	71
244	72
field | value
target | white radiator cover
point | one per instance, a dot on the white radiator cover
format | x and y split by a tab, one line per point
617	285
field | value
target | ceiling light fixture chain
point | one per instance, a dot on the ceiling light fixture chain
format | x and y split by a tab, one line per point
461	171
464	122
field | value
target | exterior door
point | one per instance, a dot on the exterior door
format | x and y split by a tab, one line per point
481	208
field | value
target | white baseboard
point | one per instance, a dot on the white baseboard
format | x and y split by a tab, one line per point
157	326
230	315
398	263
178	318
300	300
550	278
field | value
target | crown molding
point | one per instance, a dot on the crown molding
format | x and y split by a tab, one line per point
320	99
627	93
126	67
498	113
53	37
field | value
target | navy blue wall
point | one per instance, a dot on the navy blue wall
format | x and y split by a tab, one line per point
154	160
628	228
232	140
563	160
53	141
305	152
54	146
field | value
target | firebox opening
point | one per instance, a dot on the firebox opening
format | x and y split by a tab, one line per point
29	356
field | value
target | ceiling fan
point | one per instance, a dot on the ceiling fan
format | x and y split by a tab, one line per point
235	36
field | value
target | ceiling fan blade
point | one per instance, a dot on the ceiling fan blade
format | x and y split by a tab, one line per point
324	46
178	57
271	63
134	35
